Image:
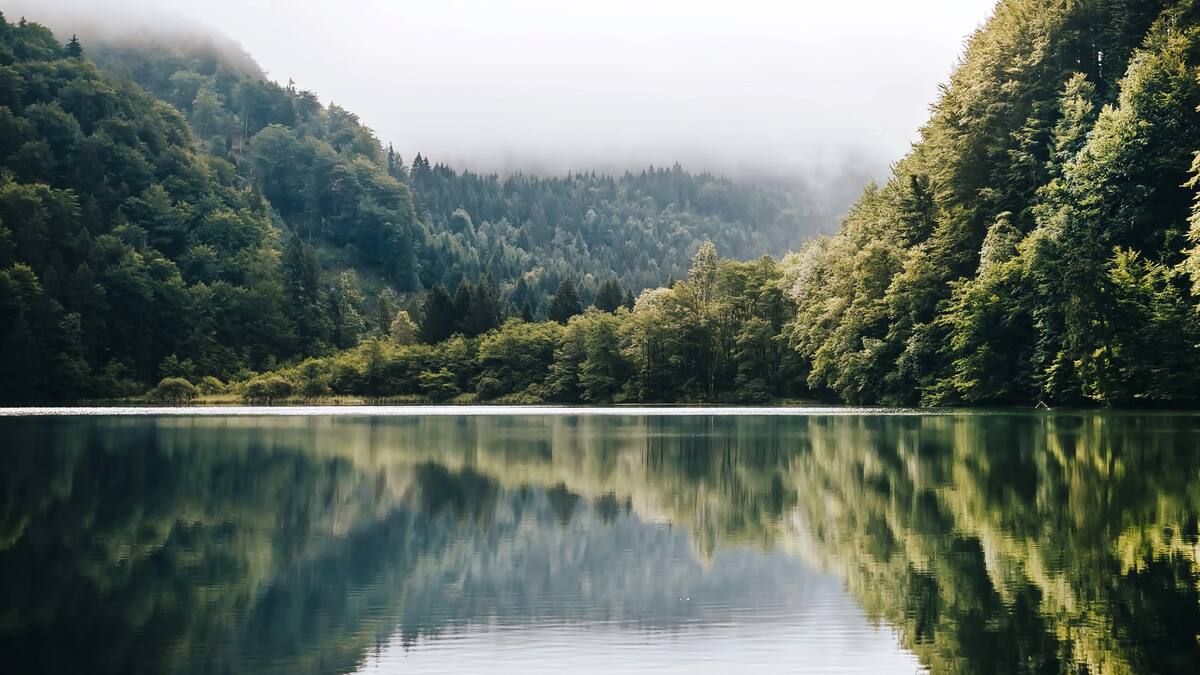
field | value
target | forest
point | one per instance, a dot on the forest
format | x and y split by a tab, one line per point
174	224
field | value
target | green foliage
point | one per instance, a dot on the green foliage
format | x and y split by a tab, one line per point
565	303
209	386
609	297
266	389
328	178
173	390
719	336
1036	239
403	331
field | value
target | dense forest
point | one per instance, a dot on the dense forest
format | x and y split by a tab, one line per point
326	175
169	211
1035	245
1040	243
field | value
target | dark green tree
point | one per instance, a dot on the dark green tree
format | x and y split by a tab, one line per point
484	312
74	49
565	303
463	299
437	316
609	297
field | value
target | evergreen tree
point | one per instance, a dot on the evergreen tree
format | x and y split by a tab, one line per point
609	296
385	312
565	303
74	49
437	316
463	298
302	293
484	312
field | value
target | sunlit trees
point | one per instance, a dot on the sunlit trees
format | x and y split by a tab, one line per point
1001	262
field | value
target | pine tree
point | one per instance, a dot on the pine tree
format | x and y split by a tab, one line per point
385	312
565	303
609	297
484	313
437	322
302	294
463	298
74	49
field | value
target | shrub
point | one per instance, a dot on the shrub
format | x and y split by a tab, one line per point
489	388
439	385
173	390
314	387
210	385
267	390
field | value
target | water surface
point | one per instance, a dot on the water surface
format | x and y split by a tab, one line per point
555	541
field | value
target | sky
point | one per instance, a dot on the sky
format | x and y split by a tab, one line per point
750	86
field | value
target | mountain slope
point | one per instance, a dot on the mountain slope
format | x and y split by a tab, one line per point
1029	247
323	171
120	246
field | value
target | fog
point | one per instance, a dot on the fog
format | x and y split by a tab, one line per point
756	87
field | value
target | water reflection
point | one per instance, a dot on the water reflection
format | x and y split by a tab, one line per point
999	543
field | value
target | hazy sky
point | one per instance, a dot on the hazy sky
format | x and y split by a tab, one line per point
557	84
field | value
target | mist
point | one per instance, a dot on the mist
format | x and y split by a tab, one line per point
826	92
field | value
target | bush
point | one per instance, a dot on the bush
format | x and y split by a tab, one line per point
489	388
267	390
173	390
439	385
210	385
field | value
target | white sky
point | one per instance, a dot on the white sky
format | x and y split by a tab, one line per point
752	85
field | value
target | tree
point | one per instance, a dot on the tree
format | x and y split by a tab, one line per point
483	314
385	311
404	331
302	294
565	303
345	303
462	306
609	296
74	49
438	316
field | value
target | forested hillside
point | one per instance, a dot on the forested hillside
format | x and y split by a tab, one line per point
232	224
326	174
121	247
1035	244
1039	244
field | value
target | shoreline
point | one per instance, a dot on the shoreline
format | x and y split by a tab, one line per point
485	410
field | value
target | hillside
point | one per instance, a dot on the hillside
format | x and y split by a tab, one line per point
1034	245
535	231
1039	244
214	223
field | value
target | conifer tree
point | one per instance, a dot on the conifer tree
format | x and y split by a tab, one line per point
74	49
565	303
437	316
609	296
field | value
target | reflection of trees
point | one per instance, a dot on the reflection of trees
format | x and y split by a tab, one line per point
135	550
992	542
1015	542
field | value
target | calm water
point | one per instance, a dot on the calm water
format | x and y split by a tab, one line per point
574	543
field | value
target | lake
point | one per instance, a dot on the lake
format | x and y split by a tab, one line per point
203	541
